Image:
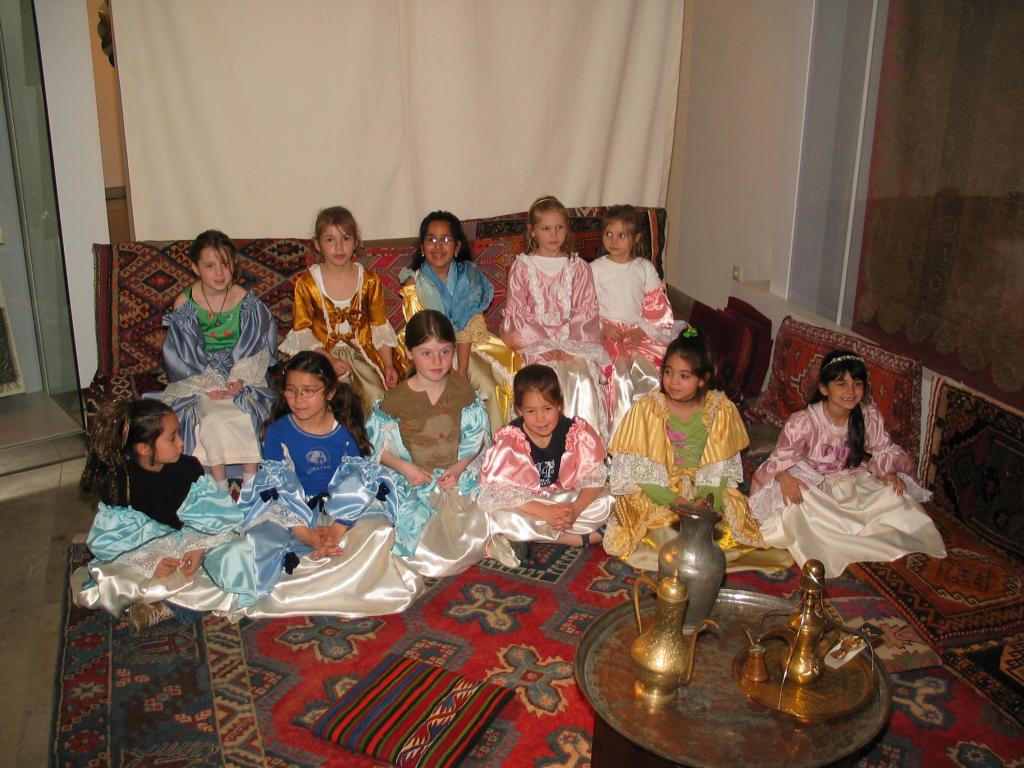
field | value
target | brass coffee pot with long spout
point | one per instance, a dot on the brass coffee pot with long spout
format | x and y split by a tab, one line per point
663	655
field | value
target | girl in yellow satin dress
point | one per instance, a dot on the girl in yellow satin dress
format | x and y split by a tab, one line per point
339	311
444	278
685	439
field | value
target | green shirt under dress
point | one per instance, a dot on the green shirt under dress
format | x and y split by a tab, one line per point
688	438
220	330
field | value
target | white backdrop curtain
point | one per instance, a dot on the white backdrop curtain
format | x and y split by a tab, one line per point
250	115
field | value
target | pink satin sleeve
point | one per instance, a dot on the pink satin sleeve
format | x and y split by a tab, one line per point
585	452
519	328
792	447
508	461
585	321
886	456
656	308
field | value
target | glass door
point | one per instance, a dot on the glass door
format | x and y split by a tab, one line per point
39	389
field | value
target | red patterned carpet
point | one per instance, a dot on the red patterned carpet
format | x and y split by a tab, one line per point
247	694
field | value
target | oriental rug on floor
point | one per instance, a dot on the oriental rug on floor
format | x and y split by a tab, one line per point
247	694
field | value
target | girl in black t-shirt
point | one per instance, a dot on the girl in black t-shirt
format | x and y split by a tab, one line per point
158	516
544	477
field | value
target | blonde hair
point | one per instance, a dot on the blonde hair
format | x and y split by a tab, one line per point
547	204
342	218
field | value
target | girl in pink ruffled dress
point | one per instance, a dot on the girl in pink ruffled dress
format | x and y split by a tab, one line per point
837	488
544	477
636	318
551	314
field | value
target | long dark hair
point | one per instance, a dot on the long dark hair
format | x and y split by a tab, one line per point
118	428
222	245
465	252
344	404
692	346
834	367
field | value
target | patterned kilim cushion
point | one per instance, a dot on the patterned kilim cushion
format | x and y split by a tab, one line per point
974	463
412	714
895	380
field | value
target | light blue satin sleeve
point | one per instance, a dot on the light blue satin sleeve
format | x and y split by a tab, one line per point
274	485
116	530
209	508
383	433
475	431
361	487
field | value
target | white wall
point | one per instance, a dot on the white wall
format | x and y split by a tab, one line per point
64	31
732	183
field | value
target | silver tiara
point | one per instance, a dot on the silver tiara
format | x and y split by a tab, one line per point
842	359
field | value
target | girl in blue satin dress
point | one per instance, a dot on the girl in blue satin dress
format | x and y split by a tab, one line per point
219	343
163	528
431	431
314	483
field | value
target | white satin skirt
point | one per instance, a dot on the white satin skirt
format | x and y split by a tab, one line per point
518	526
453	539
632	378
367	580
851	519
224	434
583	391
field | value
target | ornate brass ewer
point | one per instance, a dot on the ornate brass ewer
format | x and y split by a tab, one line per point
663	655
784	668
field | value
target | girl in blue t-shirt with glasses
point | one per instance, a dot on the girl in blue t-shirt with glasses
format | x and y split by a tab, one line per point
314	483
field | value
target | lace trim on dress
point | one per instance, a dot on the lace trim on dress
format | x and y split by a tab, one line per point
495	496
383	336
277	513
299	341
252	370
731	469
595	478
552	317
659	334
146	558
631	469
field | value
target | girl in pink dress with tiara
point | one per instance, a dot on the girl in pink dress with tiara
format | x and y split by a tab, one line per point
837	488
551	314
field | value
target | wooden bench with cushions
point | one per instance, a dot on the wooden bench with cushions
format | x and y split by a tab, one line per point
137	282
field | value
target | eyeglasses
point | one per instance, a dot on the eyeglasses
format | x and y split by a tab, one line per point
434	240
305	393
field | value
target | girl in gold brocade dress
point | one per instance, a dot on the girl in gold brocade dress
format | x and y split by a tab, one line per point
339	311
682	442
444	278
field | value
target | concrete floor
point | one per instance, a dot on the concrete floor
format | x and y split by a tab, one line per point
40	513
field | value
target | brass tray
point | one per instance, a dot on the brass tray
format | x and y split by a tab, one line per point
836	693
711	723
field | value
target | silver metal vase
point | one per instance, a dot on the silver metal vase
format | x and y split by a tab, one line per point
695	557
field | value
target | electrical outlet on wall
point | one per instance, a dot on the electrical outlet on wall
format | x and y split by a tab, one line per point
737	272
